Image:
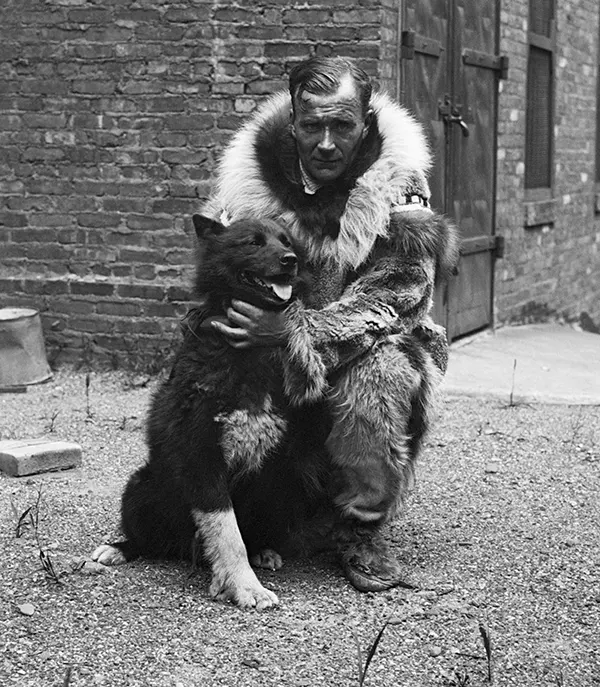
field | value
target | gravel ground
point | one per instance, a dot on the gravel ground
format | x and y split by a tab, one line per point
501	532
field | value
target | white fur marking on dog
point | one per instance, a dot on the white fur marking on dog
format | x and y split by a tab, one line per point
247	437
233	578
108	555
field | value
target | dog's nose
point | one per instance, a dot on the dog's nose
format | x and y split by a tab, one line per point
288	260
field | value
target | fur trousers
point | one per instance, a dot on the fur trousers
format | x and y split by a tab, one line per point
381	408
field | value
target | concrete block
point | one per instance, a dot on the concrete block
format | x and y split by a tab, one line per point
30	456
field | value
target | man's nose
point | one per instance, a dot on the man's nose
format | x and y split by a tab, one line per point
326	144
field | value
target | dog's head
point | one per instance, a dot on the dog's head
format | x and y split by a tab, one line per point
249	259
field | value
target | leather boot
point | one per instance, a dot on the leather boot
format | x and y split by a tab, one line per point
367	560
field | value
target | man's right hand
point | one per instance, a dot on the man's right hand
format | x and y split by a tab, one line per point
247	326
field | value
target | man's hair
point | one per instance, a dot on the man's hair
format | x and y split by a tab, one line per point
324	75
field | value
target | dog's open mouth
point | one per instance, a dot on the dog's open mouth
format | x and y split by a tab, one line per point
277	287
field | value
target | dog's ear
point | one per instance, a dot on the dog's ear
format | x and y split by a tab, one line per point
205	226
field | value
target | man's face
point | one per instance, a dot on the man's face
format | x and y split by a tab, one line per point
329	130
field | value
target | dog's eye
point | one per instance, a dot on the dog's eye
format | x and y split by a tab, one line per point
257	240
284	239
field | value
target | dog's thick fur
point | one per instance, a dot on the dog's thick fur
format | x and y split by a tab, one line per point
215	421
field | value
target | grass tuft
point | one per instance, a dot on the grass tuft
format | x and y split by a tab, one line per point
30	518
487	645
363	666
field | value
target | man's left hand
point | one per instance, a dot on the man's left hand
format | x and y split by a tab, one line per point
252	327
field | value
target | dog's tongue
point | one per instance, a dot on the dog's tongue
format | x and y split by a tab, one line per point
282	291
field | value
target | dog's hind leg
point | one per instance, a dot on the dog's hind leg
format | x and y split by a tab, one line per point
115	553
233	578
267	559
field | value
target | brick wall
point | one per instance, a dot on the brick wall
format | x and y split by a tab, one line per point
112	115
550	268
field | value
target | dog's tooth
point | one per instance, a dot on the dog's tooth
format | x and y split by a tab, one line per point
283	291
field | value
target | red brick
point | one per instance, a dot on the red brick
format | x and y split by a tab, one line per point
137	255
91	289
99	219
43	154
149	222
185	123
178	293
45	287
145	272
118	309
175	206
141	291
13	219
38	235
197	14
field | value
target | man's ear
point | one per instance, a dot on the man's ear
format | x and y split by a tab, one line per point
368	121
204	226
292	127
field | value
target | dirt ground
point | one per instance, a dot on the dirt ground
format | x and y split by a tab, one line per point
501	534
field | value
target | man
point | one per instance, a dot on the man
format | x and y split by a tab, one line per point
345	170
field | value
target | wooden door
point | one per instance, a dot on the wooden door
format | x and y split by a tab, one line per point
449	80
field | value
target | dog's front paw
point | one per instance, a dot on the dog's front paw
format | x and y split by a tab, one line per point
243	590
109	555
267	559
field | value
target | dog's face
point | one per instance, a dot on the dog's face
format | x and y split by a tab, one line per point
250	259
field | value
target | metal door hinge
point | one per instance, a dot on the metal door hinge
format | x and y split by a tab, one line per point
407	44
499	243
497	63
412	42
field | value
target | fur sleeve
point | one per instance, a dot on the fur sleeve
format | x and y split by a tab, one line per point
392	294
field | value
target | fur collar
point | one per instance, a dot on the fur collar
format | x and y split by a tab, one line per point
258	175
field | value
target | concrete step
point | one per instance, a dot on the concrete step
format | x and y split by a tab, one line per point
19	457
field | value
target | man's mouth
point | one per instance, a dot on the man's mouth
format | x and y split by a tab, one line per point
278	286
327	163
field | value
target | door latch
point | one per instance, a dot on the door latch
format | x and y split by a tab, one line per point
457	118
451	114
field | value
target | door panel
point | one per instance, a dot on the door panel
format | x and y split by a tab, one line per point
424	83
425	75
455	96
467	310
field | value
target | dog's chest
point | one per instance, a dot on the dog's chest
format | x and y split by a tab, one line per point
248	435
248	401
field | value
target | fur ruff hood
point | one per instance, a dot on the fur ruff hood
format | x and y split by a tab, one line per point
339	225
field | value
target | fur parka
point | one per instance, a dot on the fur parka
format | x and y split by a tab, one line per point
372	245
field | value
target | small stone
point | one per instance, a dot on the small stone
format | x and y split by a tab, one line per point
434	651
427	594
445	589
492	467
26	609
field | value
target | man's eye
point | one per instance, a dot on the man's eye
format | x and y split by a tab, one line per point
344	127
311	127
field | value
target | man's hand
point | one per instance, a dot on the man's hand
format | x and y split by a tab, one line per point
251	327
